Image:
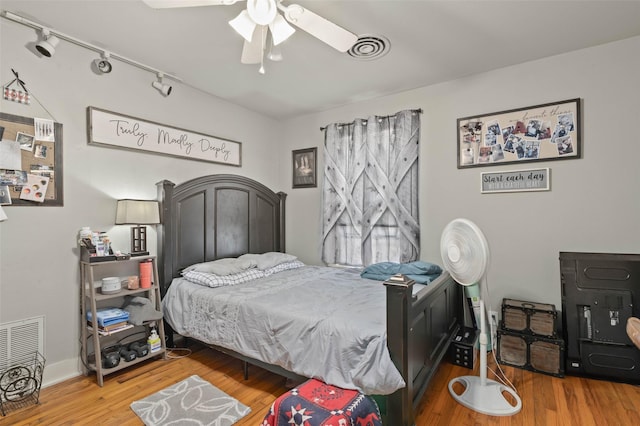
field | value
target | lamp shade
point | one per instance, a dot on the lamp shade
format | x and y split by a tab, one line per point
137	212
280	30
244	25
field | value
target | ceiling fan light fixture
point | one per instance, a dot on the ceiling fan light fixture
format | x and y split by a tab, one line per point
262	12
244	25
280	30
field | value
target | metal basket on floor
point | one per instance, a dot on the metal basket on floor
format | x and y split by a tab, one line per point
20	381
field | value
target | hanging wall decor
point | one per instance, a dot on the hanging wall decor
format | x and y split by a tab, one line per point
515	181
542	132
31	161
304	164
115	130
16	90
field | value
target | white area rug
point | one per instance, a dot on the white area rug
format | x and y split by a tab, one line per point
192	401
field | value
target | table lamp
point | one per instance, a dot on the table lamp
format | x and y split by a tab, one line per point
138	213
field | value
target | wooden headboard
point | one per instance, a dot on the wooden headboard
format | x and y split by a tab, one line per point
216	216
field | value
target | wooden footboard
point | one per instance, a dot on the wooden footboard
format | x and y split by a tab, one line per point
419	330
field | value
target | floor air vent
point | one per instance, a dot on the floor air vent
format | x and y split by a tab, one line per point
19	338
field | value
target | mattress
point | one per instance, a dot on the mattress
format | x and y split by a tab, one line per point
318	322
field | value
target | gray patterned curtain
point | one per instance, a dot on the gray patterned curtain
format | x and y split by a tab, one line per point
370	190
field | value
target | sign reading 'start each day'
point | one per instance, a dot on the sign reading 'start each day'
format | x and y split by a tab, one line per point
514	181
122	131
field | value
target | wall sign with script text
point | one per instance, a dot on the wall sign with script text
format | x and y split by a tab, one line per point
515	181
541	132
111	129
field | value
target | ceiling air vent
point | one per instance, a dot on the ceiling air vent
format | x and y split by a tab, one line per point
369	47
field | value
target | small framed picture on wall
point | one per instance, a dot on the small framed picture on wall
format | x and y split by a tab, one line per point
304	163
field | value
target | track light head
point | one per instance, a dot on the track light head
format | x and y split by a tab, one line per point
102	65
47	46
163	88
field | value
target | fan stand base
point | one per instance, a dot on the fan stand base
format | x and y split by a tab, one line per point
485	398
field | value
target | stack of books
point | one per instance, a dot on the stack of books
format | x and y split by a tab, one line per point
109	320
110	329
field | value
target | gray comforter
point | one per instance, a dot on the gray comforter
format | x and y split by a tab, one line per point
319	322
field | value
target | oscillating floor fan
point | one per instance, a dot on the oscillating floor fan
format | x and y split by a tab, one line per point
465	254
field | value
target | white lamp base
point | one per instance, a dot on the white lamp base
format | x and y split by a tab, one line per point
485	398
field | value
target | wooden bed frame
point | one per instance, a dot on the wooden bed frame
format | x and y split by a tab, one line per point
219	216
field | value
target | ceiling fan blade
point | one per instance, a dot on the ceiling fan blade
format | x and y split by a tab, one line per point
166	4
330	33
252	51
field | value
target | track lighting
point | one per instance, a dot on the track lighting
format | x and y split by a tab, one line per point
102	65
165	89
47	46
51	38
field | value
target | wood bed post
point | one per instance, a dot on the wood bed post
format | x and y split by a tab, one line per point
281	221
165	194
399	292
165	248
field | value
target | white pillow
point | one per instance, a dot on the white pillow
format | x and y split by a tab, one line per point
226	266
285	266
268	260
211	280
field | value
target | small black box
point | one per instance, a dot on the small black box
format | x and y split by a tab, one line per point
463	348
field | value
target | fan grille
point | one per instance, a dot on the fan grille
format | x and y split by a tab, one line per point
464	250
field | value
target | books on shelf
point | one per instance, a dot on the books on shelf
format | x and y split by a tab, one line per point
110	329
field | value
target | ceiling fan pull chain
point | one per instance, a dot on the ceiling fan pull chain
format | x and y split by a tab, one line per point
262	34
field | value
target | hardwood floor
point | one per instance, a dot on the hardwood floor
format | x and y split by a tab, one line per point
546	400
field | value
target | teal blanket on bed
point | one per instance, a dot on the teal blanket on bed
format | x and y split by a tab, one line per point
419	271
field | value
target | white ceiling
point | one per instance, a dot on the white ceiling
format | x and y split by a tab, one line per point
431	42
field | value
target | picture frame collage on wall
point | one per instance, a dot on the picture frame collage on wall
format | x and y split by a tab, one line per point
544	132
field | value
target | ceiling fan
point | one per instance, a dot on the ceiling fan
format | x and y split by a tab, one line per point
261	20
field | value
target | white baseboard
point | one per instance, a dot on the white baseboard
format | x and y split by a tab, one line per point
60	371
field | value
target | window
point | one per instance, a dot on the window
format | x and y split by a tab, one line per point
370	190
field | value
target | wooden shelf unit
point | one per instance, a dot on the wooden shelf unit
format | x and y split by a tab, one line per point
91	299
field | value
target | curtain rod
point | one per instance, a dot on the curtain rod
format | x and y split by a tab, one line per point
419	111
24	21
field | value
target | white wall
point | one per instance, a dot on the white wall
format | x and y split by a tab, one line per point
39	259
593	204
